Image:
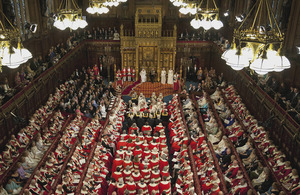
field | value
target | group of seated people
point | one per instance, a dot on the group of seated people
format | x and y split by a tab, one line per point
48	172
74	169
206	168
287	97
91	98
31	157
239	136
141	162
182	176
206	79
23	143
235	180
199	36
282	169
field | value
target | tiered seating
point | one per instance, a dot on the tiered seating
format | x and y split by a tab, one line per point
233	170
19	143
208	170
31	141
93	179
183	175
271	155
48	173
71	176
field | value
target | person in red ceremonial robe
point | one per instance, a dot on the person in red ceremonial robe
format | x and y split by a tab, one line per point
138	152
118	162
164	186
145	173
128	73
127	174
232	170
117	174
163	162
136	162
124	74
121	187
215	190
153	187
176	82
128	163
154	162
285	171
96	70
133	74
141	185
136	176
122	143
134	128
111	187
146	128
241	188
158	128
155	174
165	172
131	187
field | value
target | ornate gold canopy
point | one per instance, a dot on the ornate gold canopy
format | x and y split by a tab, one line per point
149	46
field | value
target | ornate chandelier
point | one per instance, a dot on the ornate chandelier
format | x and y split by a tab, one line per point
207	14
255	43
12	52
69	15
101	6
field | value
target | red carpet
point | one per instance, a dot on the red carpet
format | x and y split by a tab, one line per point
128	89
148	88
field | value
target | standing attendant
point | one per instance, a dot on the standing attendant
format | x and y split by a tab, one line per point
152	75
129	73
170	77
163	76
176	82
124	74
96	70
133	74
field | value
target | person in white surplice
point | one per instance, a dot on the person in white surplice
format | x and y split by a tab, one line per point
163	76
143	75
170	77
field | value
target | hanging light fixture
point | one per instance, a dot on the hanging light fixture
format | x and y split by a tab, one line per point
209	15
101	6
259	40
69	15
12	52
206	16
196	22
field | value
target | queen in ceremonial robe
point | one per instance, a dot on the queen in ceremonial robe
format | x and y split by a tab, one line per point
143	75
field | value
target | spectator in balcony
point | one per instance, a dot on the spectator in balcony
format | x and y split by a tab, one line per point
273	85
18	81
